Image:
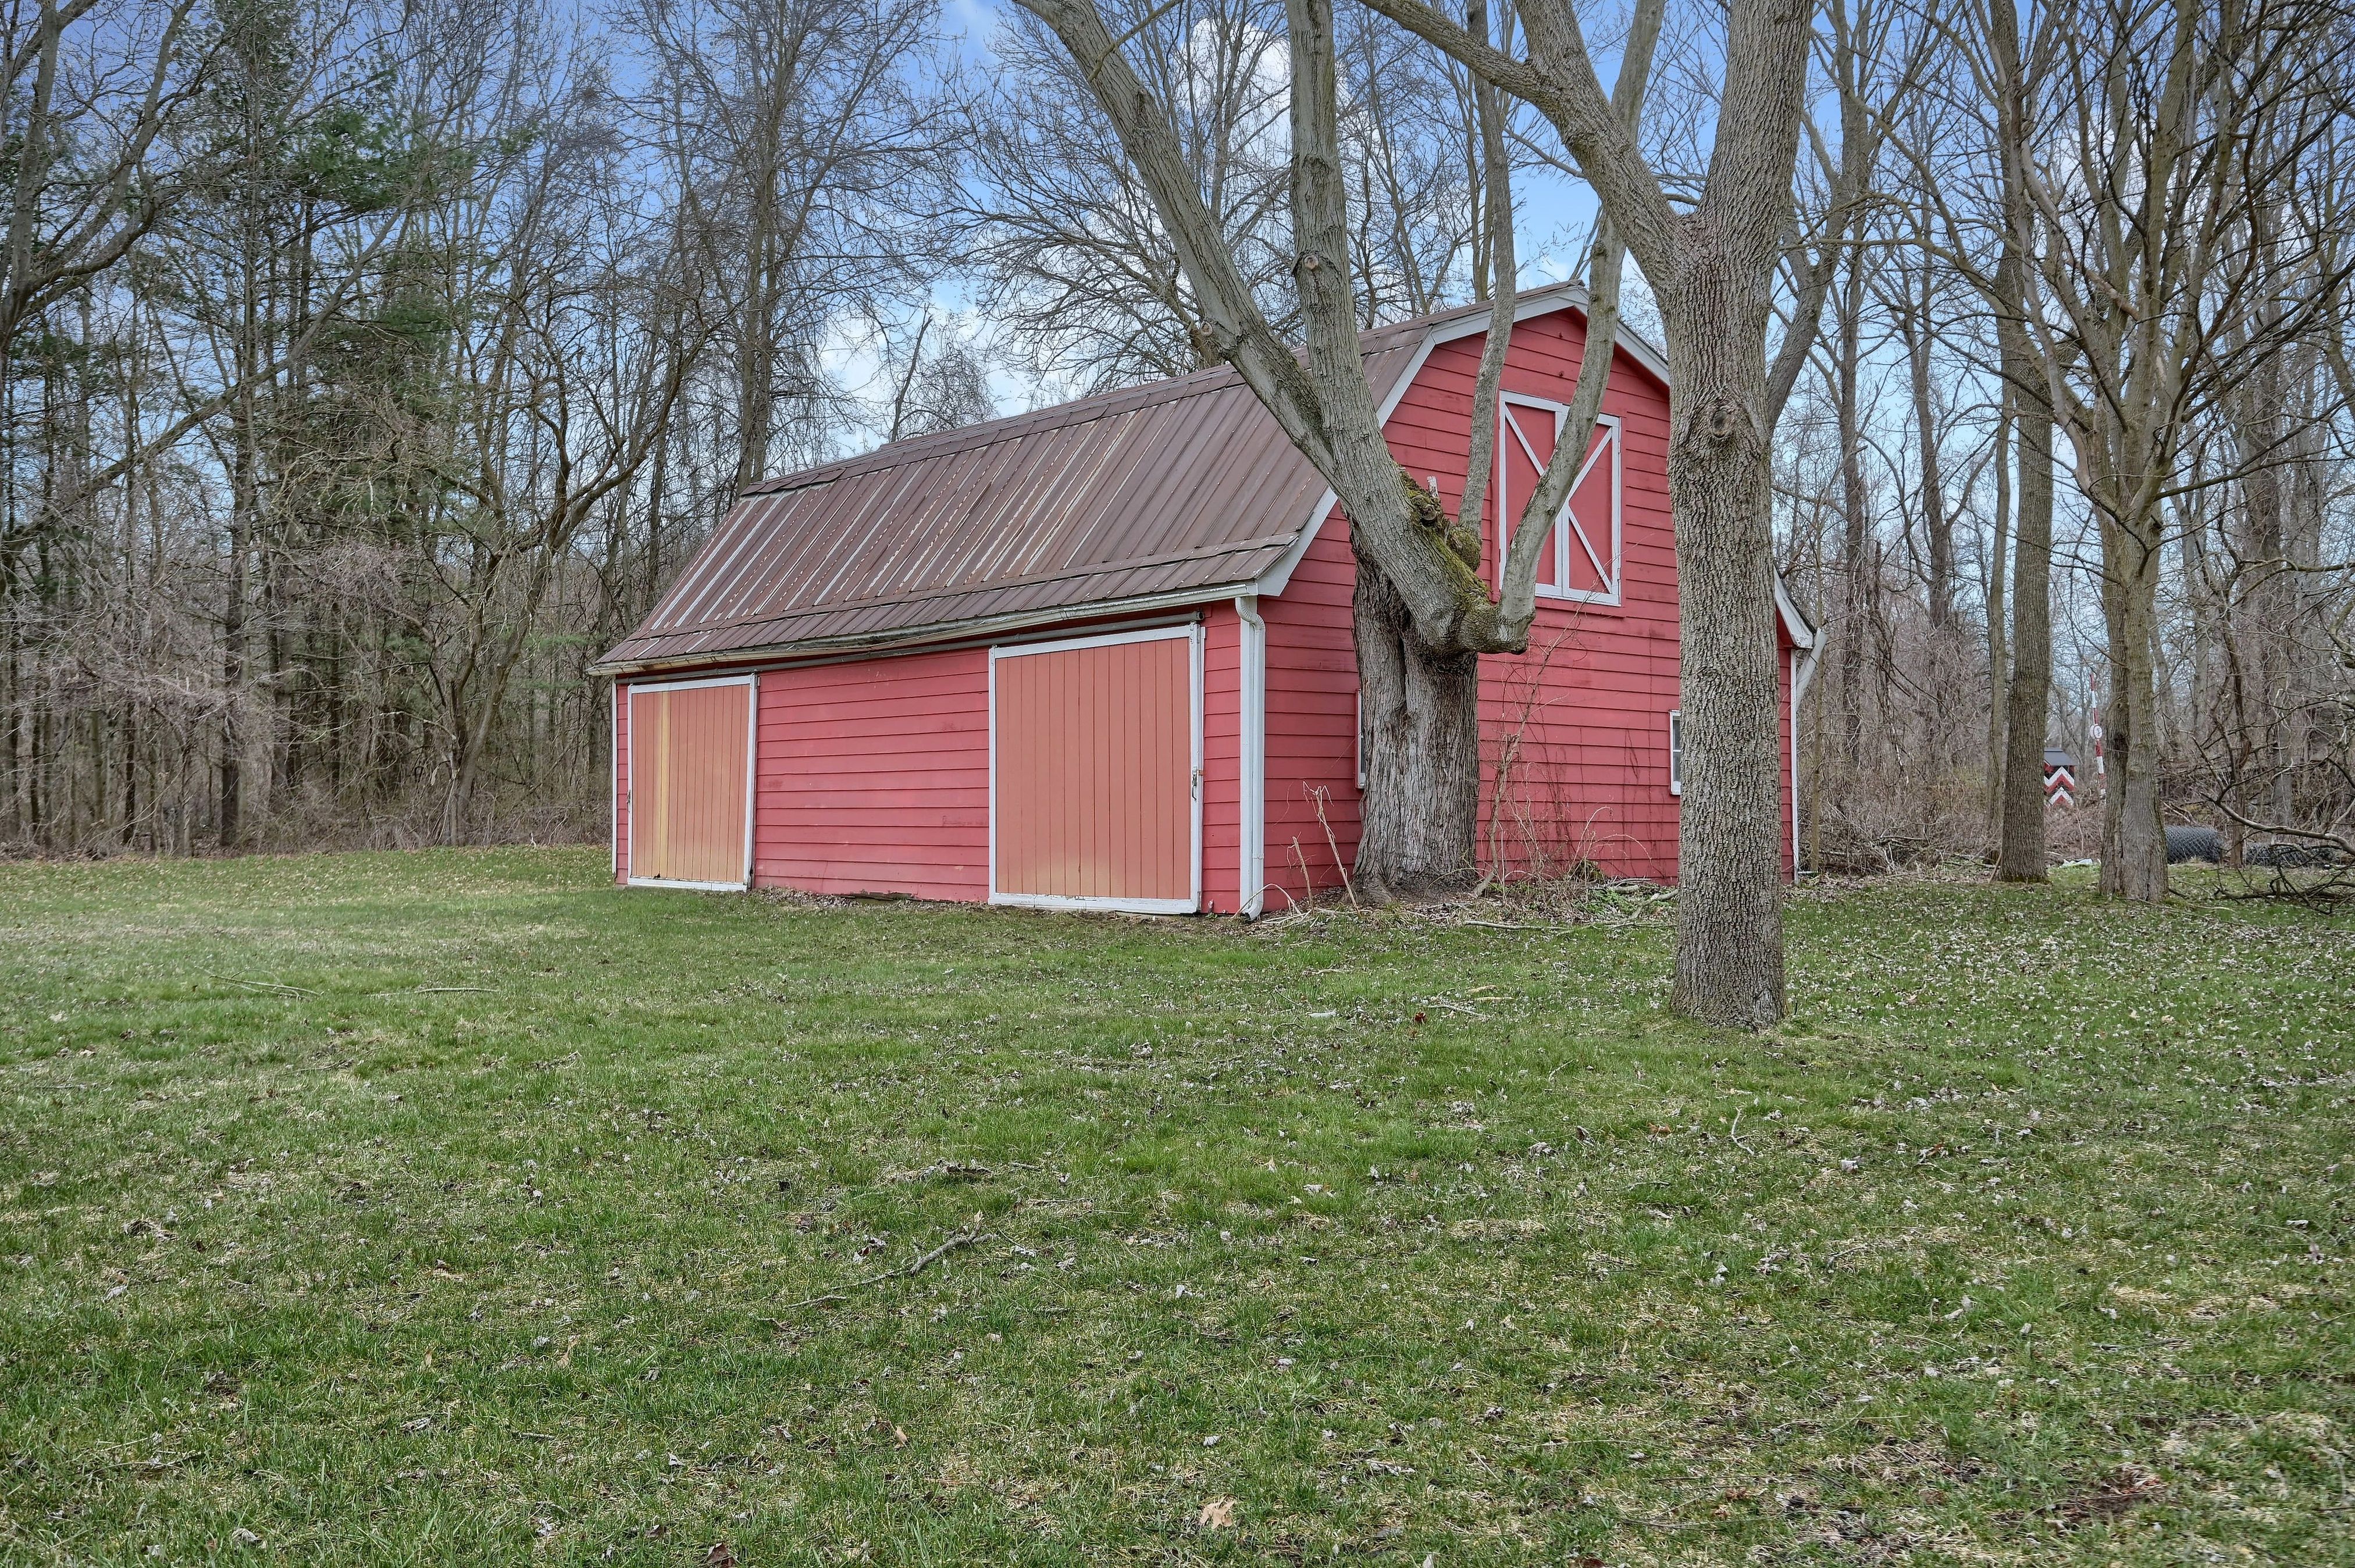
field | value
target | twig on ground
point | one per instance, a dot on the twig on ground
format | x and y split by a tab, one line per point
1456	1007
263	985
905	1271
1736	1136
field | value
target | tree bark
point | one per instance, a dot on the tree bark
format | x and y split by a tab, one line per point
1729	967
2020	852
1420	736
1998	652
2134	843
1855	570
2019	844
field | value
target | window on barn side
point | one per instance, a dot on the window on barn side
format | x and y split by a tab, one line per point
1675	750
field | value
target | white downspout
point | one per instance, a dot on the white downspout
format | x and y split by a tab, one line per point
1254	749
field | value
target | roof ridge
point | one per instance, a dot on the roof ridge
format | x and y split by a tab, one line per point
1091	406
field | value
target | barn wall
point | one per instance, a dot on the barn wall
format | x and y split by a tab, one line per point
873	776
1579	719
1312	720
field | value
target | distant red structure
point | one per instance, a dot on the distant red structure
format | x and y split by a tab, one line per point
1100	655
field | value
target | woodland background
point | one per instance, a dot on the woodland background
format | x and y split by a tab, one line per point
369	370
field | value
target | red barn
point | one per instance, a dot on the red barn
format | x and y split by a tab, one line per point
1099	655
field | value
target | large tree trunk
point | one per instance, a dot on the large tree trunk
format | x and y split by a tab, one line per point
2134	844
2020	854
1998	652
2019	843
1420	736
1854	569
1728	847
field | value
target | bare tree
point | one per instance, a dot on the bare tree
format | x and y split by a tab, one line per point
805	151
2181	119
1712	267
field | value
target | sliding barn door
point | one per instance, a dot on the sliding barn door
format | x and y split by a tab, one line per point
1095	751
690	782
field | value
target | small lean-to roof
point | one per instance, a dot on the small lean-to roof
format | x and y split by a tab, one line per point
1175	493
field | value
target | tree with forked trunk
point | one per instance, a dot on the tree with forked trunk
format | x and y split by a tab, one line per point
1713	267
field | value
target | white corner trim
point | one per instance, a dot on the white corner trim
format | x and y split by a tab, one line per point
1793	659
1198	634
614	792
751	770
1252	757
1802	674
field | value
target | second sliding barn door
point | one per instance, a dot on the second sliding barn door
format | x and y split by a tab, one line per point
1095	759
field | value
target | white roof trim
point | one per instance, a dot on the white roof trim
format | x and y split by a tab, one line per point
1527	308
1803	635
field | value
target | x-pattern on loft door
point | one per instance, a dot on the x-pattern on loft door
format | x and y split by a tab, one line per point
690	782
1096	773
1581	561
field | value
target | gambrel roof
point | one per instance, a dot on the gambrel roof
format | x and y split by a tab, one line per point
1175	493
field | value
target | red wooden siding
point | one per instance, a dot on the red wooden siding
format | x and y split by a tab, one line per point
1312	719
874	776
688	782
1580	722
1094	757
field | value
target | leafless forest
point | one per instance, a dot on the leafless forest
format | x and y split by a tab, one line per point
369	370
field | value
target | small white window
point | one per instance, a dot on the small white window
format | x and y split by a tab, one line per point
1675	750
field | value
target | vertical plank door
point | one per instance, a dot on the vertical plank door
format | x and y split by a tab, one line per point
1093	752
689	751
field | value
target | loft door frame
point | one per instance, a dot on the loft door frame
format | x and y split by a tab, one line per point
751	776
1193	634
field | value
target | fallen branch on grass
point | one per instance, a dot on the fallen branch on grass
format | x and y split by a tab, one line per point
264	984
905	1271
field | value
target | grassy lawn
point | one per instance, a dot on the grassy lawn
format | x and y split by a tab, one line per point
455	1207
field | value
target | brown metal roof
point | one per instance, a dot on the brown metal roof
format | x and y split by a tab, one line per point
1173	493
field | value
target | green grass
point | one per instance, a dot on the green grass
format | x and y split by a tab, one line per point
454	1207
